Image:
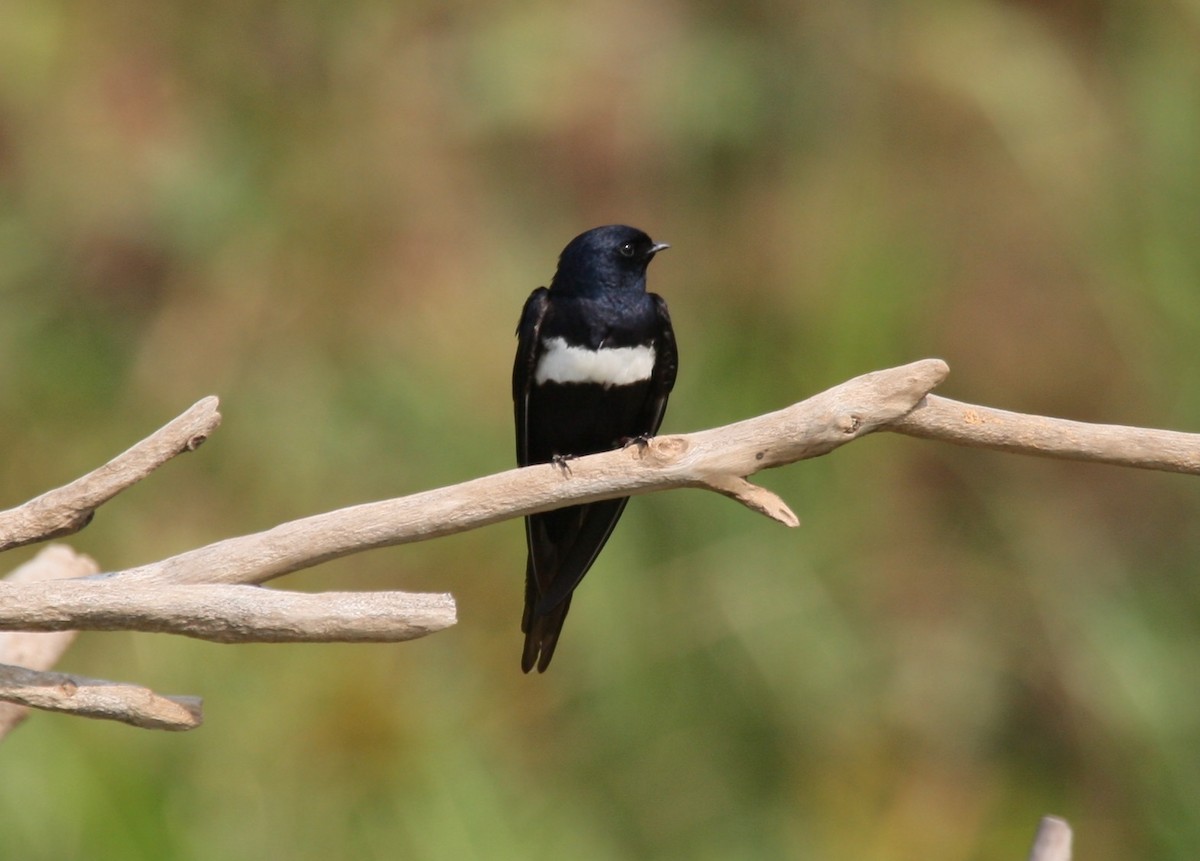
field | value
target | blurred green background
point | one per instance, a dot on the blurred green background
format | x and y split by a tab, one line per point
329	214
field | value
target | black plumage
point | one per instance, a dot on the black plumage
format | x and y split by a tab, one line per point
596	361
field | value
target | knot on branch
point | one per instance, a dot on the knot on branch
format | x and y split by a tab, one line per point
666	450
849	423
195	442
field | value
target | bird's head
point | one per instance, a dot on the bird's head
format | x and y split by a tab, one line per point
613	257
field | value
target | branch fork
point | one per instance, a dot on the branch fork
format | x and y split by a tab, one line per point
214	592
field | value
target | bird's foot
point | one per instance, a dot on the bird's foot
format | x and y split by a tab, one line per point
641	441
561	461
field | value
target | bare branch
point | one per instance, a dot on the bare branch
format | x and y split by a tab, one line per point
30	685
1053	840
225	614
68	509
93	698
39	651
204	592
714	459
984	427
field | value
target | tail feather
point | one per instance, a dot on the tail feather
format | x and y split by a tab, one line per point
541	636
563	544
541	630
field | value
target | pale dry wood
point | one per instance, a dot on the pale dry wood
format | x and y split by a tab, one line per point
716	459
76	695
720	459
31	650
163	597
68	509
31	685
1052	841
224	613
985	427
754	497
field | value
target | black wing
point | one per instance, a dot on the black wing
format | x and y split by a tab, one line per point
564	544
525	364
666	365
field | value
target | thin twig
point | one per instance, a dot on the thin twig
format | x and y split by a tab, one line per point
68	509
131	704
225	614
985	427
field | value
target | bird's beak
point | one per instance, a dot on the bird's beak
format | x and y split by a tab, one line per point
657	247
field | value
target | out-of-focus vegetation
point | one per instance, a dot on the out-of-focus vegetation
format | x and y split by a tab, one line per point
330	213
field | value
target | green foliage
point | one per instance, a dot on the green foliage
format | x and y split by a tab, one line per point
330	214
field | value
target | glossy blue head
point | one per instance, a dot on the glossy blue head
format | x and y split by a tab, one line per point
613	257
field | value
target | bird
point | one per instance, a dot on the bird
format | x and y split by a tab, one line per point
596	360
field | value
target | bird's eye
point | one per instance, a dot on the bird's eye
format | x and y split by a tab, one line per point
626	250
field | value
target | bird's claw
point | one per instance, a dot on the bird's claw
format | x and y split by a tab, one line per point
641	441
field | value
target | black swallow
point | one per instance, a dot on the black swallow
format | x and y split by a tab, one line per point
596	360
